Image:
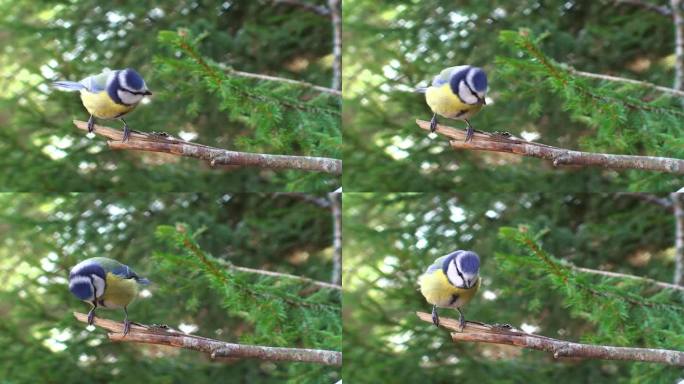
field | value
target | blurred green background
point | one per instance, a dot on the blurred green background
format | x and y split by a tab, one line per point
390	239
44	41
44	235
393	46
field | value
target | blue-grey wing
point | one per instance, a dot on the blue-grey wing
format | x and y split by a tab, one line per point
437	264
446	74
125	272
96	83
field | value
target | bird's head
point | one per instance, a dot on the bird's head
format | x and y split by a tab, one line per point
127	87
87	280
462	269
470	84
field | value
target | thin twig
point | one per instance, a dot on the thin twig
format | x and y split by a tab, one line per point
662	10
649	198
678	203
284	80
214	156
320	284
646	280
645	84
140	333
317	9
498	143
336	203
336	13
484	333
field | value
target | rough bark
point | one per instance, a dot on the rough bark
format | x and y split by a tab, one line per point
484	333
159	335
214	156
559	156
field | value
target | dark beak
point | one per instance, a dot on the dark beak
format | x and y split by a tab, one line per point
147	93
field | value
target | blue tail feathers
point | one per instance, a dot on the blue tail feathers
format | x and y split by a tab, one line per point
68	85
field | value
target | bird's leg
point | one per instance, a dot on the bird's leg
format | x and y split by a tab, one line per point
435	316
127	131
91	124
461	319
433	123
469	132
91	314
127	324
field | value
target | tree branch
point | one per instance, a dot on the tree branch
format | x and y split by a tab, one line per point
162	335
214	156
678	203
663	10
498	143
320	284
258	76
317	9
678	18
645	84
336	202
335	12
657	283
484	333
649	198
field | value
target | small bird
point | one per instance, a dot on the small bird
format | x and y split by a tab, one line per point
109	95
450	282
456	93
104	282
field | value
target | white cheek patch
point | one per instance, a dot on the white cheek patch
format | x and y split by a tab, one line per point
452	274
465	94
128	98
99	284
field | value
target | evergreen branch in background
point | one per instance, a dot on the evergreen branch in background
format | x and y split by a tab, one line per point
644	84
483	333
649	198
214	156
567	277
162	335
320	284
219	79
660	9
221	275
299	83
508	144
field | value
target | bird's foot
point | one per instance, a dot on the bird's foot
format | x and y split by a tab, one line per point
91	316
127	133
433	123
503	326
91	124
127	327
435	316
461	320
469	134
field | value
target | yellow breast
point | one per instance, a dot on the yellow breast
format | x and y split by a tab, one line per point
438	291
102	106
118	292
444	102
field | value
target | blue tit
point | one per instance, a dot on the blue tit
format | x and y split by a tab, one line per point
103	282
450	282
456	93
109	95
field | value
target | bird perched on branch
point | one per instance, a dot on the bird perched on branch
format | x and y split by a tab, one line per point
450	282
109	95
456	93
103	282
